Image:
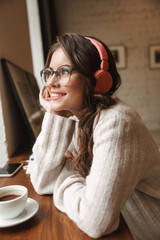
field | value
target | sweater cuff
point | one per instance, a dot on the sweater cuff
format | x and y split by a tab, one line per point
54	138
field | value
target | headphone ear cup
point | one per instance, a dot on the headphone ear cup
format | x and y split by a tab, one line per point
103	81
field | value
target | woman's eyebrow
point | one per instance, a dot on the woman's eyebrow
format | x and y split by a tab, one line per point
61	66
50	68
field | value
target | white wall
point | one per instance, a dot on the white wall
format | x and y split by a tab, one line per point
35	38
134	24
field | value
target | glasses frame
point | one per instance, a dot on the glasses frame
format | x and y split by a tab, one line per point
56	73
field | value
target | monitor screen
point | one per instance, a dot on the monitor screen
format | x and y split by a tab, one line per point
26	92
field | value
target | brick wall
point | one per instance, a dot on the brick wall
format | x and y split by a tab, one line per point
134	24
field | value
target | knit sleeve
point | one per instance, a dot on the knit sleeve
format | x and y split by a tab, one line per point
94	203
48	152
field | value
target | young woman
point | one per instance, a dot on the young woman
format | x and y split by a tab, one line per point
94	152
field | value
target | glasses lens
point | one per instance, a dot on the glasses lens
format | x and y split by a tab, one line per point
45	75
63	75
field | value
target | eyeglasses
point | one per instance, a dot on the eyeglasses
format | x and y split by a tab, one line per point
63	75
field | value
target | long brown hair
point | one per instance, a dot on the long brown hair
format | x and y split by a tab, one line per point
86	60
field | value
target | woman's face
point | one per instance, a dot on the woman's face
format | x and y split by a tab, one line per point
68	97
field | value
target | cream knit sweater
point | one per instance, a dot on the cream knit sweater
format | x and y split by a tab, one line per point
124	177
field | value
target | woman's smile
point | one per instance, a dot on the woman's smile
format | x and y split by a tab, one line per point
55	95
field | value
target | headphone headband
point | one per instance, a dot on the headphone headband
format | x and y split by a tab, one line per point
102	53
103	77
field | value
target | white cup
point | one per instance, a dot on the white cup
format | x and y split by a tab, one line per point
11	208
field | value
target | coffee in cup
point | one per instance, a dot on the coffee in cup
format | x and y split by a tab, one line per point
13	200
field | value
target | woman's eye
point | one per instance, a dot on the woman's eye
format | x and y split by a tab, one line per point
64	71
48	74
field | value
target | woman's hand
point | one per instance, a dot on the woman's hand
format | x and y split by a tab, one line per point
45	99
70	155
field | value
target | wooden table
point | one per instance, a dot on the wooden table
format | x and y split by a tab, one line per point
48	223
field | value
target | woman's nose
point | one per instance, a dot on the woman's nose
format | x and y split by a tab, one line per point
53	81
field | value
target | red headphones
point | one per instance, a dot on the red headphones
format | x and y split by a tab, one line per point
103	77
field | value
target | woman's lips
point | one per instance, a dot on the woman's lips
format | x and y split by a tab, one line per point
57	95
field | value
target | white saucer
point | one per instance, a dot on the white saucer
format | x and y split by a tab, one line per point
29	211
